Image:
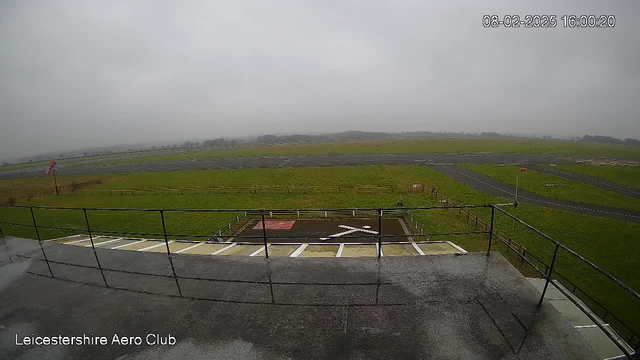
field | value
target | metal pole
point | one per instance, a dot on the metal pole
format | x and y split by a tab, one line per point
549	274
493	210
379	234
55	181
35	226
513	226
166	242
86	219
264	235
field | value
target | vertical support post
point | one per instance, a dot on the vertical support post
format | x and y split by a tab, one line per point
93	246
55	181
166	243
264	235
35	226
379	233
549	274
493	211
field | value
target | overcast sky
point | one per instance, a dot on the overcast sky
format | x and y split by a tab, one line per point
85	73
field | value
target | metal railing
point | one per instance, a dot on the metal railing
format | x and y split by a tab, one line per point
379	213
633	339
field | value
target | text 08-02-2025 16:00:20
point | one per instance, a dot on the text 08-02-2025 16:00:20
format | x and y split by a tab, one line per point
549	21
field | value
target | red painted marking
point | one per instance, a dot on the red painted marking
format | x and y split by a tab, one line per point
275	225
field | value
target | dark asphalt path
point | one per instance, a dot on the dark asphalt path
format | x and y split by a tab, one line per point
288	161
591	180
494	187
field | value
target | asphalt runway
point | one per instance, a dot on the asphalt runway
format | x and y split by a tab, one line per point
288	161
494	187
607	185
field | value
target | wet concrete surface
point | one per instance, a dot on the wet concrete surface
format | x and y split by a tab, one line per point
423	307
494	187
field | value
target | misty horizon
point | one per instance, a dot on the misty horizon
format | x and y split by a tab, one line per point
81	74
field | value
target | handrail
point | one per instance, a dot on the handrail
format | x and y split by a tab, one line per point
572	252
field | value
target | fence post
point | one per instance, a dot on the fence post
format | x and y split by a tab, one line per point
264	235
493	210
166	243
93	246
35	226
549	274
379	233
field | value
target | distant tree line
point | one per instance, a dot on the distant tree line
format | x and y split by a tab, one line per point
610	140
300	138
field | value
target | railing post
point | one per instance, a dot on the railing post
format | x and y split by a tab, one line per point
493	210
379	234
35	226
264	235
93	246
549	274
166	243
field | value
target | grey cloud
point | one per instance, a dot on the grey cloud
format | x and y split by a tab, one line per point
84	73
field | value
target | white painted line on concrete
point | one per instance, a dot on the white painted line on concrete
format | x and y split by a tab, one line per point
81	240
104	242
343	233
381	253
588	326
357	229
259	250
224	249
340	250
188	248
299	250
154	246
618	357
415	246
133	243
462	251
63	238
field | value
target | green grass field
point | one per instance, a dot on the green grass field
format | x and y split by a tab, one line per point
609	243
624	175
535	182
529	146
